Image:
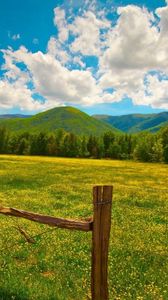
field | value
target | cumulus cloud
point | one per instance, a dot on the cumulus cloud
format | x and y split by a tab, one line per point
55	49
135	47
129	39
17	95
14	91
56	83
60	22
77	60
86	29
157	92
132	59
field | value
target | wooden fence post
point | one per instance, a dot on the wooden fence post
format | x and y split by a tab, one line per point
102	201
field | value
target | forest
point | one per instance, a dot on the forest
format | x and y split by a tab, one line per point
143	146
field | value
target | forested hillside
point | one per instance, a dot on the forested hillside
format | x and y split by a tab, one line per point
67	118
136	122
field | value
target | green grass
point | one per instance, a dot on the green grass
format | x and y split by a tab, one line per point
57	266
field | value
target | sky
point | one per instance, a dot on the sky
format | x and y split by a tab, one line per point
103	57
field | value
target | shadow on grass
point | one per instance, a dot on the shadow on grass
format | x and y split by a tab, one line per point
151	203
7	295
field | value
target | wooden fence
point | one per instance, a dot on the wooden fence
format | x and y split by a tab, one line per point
99	224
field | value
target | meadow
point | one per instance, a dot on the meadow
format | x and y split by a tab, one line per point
57	265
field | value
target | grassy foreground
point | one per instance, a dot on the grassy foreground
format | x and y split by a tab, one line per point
57	266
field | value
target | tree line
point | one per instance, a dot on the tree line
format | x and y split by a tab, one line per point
144	146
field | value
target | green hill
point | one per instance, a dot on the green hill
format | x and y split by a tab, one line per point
153	124
68	118
158	127
136	122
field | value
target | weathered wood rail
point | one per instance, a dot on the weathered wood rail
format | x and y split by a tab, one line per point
99	224
48	220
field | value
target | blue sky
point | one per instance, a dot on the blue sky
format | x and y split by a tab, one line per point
107	57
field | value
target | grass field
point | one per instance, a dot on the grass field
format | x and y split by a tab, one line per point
57	266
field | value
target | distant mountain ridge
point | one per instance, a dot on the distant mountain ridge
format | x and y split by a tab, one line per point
14	116
73	120
68	118
133	123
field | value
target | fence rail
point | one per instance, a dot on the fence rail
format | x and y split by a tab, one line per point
48	220
99	224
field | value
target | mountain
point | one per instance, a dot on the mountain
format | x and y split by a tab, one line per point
152	124
68	118
14	116
133	123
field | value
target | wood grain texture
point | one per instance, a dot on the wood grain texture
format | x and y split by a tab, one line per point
102	201
48	220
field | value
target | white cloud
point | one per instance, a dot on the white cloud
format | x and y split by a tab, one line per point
53	81
60	22
14	91
131	54
15	37
55	49
131	41
135	47
87	32
157	91
16	94
77	60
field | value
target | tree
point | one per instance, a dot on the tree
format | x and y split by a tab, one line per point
60	135
23	146
83	148
51	145
108	139
4	139
92	146
101	152
143	147
115	150
70	147
157	151
73	146
165	154
164	136
39	144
